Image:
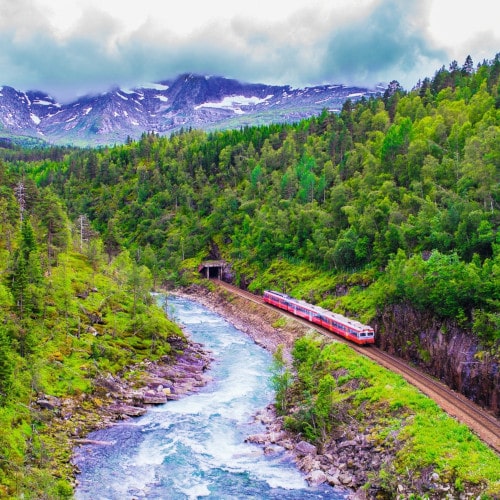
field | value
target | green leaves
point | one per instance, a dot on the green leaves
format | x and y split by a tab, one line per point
415	172
281	379
7	364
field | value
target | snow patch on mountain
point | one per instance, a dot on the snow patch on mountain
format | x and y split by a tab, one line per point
235	102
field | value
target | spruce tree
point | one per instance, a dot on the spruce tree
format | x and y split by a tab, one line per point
6	364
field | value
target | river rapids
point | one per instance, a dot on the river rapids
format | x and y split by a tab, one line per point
195	447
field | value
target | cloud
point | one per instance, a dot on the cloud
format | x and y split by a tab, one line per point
378	40
392	37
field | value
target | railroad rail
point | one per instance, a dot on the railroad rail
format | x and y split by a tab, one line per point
484	425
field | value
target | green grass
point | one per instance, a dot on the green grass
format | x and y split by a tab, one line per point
341	293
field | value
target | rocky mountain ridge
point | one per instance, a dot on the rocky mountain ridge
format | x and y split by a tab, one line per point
187	101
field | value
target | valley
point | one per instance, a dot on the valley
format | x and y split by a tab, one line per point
384	209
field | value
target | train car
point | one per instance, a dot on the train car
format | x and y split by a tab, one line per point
348	328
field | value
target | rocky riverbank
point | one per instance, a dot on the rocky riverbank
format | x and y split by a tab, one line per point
344	466
122	397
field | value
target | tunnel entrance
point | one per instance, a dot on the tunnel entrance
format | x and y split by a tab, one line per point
212	269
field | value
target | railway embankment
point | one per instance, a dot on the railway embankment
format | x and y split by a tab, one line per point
371	447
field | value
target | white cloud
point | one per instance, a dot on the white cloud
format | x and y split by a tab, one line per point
69	47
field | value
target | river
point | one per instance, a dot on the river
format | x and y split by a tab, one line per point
194	447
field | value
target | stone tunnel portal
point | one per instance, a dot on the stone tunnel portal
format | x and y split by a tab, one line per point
212	269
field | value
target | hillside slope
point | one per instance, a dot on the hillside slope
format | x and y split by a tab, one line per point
385	211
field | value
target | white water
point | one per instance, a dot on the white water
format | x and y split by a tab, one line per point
194	448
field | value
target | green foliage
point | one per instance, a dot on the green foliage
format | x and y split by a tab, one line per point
443	283
281	379
26	275
409	174
7	363
395	199
66	317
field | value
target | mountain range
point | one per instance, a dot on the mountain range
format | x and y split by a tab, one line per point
188	101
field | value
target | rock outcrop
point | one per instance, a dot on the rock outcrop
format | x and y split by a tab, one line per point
444	350
119	397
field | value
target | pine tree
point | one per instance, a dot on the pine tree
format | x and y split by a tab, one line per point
19	282
6	364
28	240
26	273
468	67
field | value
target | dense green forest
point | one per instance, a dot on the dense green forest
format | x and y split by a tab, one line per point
69	315
400	193
394	200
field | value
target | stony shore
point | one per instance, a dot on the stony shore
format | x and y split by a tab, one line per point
342	470
117	398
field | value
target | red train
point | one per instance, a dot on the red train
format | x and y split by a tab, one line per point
349	328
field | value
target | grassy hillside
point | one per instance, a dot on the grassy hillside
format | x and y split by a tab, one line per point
69	316
336	394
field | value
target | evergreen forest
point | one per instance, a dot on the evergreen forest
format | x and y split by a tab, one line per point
393	202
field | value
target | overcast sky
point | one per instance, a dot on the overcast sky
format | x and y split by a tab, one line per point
74	47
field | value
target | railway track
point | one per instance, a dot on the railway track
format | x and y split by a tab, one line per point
486	426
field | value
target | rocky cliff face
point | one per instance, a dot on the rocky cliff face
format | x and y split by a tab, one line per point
443	350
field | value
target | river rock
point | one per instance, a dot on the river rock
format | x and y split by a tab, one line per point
276	436
46	404
305	448
308	463
128	410
156	399
346	444
316	477
345	478
273	449
256	438
333	478
109	383
156	382
265	416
